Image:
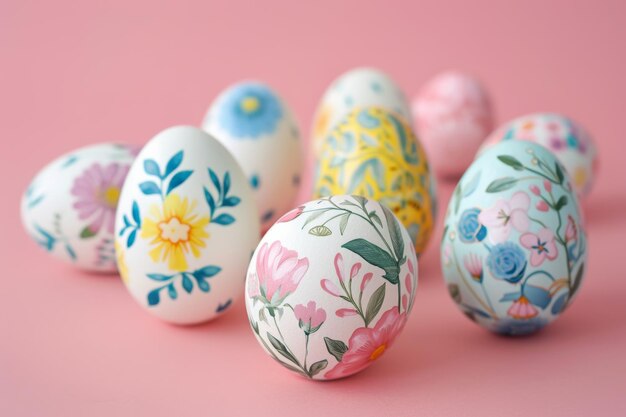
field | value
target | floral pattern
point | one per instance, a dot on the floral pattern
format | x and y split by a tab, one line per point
528	263
249	110
373	153
175	228
568	140
97	191
69	207
366	290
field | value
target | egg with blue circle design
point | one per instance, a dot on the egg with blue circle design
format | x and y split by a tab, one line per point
514	249
256	125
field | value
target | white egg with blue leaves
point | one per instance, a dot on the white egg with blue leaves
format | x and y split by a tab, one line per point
514	250
256	125
69	207
185	228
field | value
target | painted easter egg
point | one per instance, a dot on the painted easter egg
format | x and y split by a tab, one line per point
259	129
514	248
453	116
359	87
69	207
374	153
331	285
185	227
567	139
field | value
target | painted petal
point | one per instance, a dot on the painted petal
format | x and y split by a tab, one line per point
330	288
520	201
339	266
520	220
528	240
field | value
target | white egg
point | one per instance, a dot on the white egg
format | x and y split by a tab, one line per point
186	226
331	286
568	140
360	87
69	207
258	128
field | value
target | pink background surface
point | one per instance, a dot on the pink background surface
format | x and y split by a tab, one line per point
75	73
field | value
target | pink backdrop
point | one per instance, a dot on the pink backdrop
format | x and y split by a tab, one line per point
74	73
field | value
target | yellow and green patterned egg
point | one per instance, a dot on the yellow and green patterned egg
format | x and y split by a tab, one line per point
374	153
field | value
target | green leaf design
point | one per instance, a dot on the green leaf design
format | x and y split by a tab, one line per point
320	231
314	215
501	184
394	232
559	172
375	256
562	202
577	280
335	347
374	304
512	162
281	348
87	233
374	216
317	367
343	223
360	199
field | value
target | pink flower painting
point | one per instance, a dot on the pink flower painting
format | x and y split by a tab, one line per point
310	318
505	216
368	344
279	271
97	191
542	246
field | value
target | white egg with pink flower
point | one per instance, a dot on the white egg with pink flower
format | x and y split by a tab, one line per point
514	248
331	285
69	207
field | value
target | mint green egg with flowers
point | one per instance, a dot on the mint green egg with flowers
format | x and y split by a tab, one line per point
513	250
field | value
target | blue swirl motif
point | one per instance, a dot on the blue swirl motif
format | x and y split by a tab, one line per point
250	110
366	120
469	228
513	327
507	262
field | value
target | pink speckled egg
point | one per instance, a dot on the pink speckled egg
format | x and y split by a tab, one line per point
453	116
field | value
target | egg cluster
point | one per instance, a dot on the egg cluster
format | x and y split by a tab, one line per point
201	216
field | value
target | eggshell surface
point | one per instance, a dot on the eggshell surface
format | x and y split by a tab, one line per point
256	125
69	207
453	116
374	153
359	87
568	140
514	247
185	227
331	285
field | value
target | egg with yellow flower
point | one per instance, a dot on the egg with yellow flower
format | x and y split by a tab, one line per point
185	227
373	153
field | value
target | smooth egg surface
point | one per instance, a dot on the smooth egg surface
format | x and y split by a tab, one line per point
256	125
69	207
568	140
374	153
331	285
514	249
359	87
186	226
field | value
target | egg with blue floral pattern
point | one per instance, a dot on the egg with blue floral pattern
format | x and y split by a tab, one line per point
69	207
514	249
185	227
331	286
568	140
256	125
359	87
374	153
